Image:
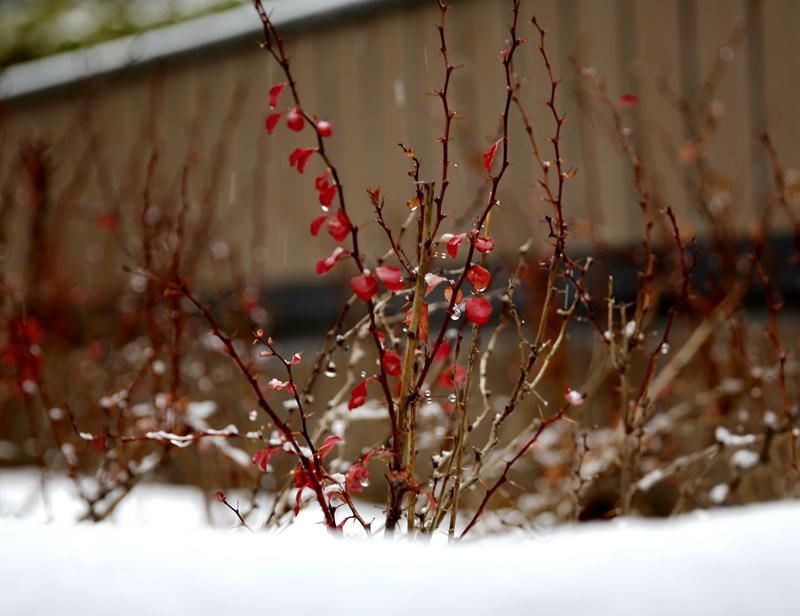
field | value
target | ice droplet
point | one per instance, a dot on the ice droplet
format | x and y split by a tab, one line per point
253	415
364	481
456	314
664	348
363	374
452	398
330	370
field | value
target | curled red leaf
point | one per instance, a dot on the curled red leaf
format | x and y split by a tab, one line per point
432	281
391	363
390	276
453	376
272	121
358	396
262	456
299	158
488	155
357	478
327	195
329	443
325	265
365	286
479	310
453	242
278	385
479	277
275	93
322	181
484	244
317	223
443	352
339	226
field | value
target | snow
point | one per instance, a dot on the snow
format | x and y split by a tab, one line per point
725	561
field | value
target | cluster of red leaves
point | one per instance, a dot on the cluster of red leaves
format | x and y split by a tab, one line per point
366	285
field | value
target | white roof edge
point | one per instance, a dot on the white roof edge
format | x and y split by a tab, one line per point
64	68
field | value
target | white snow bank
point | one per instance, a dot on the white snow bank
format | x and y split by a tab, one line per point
731	562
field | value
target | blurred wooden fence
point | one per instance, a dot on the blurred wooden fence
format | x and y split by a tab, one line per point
370	74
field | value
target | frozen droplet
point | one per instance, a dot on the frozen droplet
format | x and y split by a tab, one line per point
664	348
456	314
364	481
363	374
452	398
330	370
253	415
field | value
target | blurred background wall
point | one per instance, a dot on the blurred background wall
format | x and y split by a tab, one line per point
193	96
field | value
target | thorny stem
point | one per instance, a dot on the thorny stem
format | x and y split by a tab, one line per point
282	426
273	44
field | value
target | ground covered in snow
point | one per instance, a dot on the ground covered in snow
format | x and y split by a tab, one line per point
158	556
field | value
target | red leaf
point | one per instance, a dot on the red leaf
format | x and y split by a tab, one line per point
457	375
262	456
442	352
296	359
391	363
325	265
300	158
302	480
327	195
272	121
278	385
220	496
295	120
322	181
274	94
339	226
479	277
479	310
484	244
357	478
453	243
627	100
357	396
365	286
329	443
317	223
324	128
390	276
488	155
422	325
432	281
422	330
